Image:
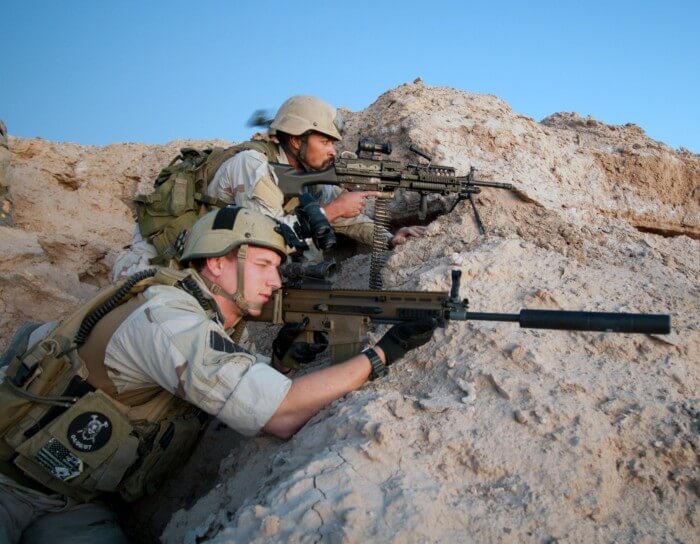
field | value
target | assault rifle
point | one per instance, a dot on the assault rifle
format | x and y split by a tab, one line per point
369	171
346	315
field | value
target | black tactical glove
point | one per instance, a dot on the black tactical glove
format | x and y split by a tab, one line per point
405	337
292	354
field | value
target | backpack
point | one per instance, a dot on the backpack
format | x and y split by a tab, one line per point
180	194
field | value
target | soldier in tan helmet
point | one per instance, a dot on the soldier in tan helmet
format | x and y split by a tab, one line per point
303	135
305	130
137	371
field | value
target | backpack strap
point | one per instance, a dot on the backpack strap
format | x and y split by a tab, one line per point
218	156
92	352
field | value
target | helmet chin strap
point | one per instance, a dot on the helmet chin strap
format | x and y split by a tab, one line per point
237	298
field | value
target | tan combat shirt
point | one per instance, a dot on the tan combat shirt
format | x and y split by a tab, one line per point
170	341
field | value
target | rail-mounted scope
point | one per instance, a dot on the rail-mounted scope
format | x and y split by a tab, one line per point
317	271
311	275
371	147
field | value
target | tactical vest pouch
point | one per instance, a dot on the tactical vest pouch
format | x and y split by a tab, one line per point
14	408
172	198
42	372
166	236
84	451
266	190
173	442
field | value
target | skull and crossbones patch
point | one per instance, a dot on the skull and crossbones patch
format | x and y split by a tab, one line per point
89	431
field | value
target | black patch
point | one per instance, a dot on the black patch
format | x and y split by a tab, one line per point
219	342
89	431
225	218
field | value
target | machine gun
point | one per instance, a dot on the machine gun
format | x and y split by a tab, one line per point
346	315
369	171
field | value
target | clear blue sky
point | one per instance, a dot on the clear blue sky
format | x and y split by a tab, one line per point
98	72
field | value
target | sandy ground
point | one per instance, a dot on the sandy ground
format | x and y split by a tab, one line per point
490	433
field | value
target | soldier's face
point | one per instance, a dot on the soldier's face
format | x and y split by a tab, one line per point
261	278
261	275
320	151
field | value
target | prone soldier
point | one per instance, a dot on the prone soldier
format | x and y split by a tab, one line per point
111	398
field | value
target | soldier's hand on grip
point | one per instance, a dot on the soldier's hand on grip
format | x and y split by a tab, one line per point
404	337
292	354
348	204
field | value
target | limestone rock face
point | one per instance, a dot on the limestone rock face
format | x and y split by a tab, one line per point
489	432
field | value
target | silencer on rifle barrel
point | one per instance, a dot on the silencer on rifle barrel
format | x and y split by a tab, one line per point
595	321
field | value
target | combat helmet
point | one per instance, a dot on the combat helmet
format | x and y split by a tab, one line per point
301	114
219	232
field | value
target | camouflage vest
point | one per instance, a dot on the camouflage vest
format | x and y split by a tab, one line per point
63	425
180	194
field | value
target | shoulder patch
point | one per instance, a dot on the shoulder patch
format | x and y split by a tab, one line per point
219	342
